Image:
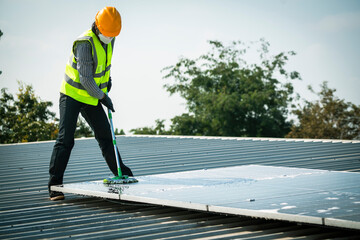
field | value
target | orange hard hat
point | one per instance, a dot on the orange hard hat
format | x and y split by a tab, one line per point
108	21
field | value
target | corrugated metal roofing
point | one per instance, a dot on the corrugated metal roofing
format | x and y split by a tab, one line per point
26	212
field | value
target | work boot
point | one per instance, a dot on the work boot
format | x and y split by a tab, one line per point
55	196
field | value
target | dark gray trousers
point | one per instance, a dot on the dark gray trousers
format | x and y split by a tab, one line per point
97	119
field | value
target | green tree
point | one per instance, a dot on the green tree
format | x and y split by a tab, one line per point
159	129
327	118
121	132
27	118
226	96
82	129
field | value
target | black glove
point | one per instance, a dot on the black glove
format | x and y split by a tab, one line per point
106	101
109	84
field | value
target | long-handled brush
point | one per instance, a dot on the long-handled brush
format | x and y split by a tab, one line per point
120	179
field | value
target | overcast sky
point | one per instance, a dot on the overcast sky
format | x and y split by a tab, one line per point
38	35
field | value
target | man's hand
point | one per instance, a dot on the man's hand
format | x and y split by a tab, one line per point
106	101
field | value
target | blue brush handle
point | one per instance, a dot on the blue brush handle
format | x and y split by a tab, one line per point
114	143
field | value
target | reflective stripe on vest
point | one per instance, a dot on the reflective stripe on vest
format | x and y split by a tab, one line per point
71	85
79	85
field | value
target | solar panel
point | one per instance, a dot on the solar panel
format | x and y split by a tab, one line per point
321	197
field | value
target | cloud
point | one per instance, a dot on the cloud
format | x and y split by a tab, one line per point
340	22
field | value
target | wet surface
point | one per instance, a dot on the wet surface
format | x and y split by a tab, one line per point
305	192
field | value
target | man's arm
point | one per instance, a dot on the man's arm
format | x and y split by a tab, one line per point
85	66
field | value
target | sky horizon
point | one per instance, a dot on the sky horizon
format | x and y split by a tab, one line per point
38	36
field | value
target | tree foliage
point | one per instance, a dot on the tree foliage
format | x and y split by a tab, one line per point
159	129
121	132
26	118
327	118
82	129
226	96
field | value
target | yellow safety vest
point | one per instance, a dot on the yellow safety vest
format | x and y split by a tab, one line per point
71	85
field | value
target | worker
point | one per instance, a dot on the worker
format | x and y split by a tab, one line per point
83	90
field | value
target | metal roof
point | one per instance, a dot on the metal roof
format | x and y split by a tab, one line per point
26	212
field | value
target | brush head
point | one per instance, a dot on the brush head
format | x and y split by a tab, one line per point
120	180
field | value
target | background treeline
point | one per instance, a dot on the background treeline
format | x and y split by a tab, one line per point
225	96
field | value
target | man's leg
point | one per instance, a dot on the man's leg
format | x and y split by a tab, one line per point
98	121
69	112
